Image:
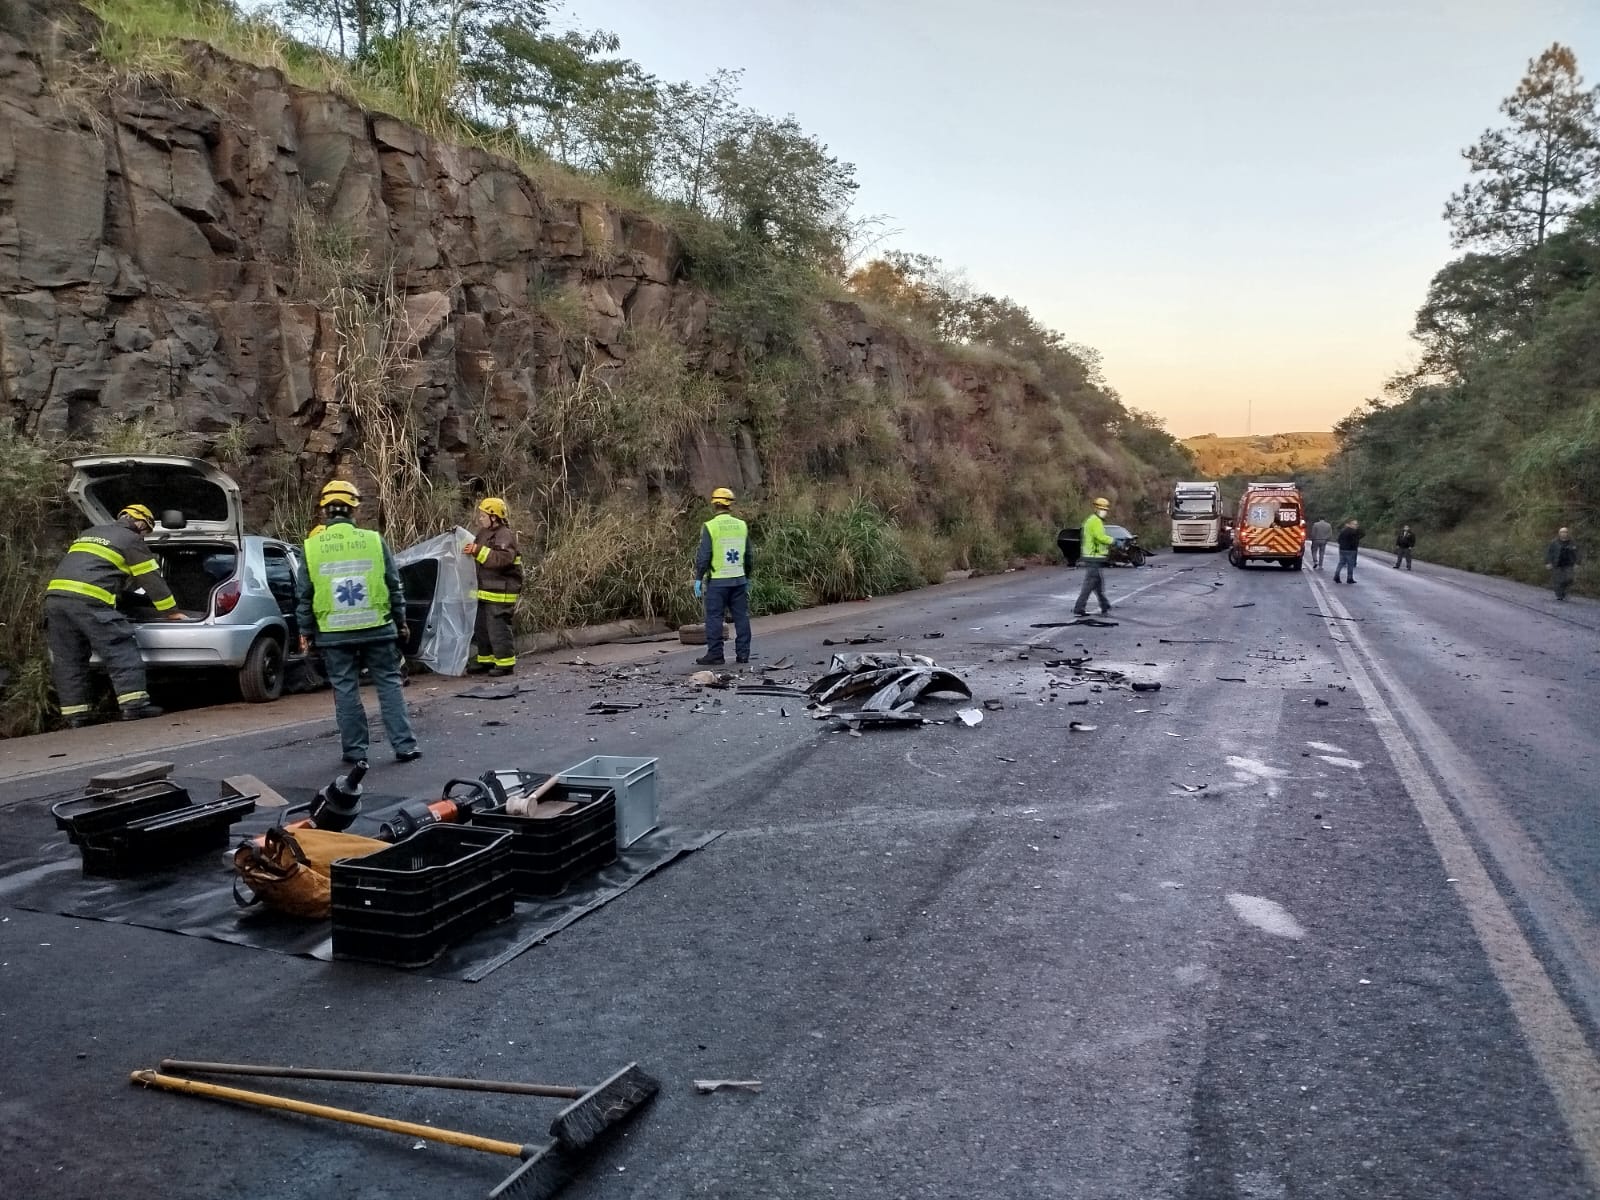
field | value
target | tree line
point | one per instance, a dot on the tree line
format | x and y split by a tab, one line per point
1492	437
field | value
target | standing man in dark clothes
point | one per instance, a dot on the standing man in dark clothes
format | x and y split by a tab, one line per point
1349	548
1403	543
724	556
351	602
81	617
1561	558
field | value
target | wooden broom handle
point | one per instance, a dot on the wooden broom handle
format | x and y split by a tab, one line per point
265	1100
435	1081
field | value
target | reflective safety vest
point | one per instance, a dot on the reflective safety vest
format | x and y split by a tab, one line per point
1096	542
729	536
106	560
347	588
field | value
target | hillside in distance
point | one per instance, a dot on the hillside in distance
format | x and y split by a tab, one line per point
1260	455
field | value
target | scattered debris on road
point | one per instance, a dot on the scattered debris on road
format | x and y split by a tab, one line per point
854	639
1081	727
1231	679
610	707
707	1086
970	716
711	679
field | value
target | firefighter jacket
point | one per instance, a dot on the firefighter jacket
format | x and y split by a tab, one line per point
107	560
499	566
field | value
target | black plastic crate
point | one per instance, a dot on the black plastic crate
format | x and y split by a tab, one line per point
101	812
407	905
548	853
163	839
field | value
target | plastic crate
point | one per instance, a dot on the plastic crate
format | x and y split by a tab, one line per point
548	853
162	839
407	905
634	781
100	812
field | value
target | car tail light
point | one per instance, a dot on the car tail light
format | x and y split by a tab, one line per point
226	598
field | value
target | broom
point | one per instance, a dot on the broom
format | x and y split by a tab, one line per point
592	1112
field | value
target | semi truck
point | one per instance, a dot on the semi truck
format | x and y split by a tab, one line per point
1199	516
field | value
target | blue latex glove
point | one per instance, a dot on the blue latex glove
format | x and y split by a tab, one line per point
699	588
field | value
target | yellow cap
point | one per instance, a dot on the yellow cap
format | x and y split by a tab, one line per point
338	491
494	506
722	497
1101	502
139	512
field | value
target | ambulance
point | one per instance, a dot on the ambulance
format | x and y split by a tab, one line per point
1271	526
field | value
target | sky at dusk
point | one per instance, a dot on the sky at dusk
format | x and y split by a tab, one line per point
1236	201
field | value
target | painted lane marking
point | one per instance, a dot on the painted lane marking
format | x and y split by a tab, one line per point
1553	1035
1266	915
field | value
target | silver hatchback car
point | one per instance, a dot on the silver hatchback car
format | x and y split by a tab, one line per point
236	592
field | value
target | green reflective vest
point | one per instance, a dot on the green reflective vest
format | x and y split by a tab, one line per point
1096	542
347	588
728	538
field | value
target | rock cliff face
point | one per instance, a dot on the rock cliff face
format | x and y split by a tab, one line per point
155	252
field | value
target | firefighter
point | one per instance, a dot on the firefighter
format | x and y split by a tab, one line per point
1096	554
81	616
350	601
724	555
499	583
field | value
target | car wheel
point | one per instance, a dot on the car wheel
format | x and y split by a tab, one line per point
1136	557
1297	564
1236	559
261	677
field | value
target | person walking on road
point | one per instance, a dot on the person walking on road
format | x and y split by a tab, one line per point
81	617
1404	541
1561	559
353	606
1349	549
1321	535
499	584
725	557
1096	551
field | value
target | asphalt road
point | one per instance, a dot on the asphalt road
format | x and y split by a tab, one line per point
1011	960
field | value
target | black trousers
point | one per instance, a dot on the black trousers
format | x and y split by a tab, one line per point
75	629
493	643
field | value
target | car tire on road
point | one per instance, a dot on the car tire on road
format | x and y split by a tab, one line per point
261	677
1136	557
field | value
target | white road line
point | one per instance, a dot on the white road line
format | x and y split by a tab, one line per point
1553	1034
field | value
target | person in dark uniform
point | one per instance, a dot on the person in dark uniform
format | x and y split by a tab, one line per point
1561	558
494	645
1404	542
81	617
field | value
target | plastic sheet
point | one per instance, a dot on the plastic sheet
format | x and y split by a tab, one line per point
196	899
447	639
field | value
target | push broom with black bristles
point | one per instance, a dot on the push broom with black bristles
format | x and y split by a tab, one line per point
545	1169
591	1115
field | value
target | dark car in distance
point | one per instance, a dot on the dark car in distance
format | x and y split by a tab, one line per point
1125	548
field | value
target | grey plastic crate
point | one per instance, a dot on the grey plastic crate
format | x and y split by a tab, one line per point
633	780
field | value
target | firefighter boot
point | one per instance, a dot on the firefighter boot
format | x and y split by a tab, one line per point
139	712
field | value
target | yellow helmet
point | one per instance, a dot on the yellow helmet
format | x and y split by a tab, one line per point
494	506
139	512
1101	502
722	497
338	491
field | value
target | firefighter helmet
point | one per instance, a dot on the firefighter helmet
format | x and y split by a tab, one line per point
140	513
338	491
494	507
1101	502
722	497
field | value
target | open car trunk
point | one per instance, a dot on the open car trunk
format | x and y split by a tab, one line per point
193	570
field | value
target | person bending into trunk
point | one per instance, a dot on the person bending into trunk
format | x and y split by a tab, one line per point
353	606
494	644
81	617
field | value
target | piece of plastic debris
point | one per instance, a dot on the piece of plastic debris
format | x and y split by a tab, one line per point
970	716
706	1086
1081	727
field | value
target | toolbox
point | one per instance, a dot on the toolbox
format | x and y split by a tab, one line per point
161	839
633	780
98	812
407	905
571	834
